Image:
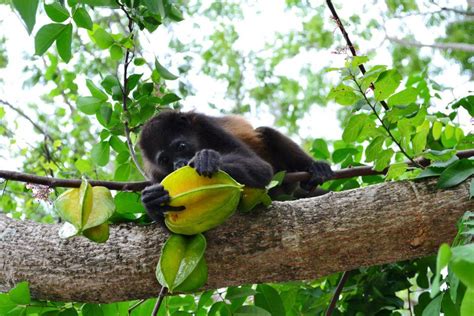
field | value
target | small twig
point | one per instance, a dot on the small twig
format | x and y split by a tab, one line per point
25	116
290	177
387	129
163	292
349	43
140	302
128	60
335	297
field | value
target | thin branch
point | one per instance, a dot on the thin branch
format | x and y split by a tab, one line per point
25	116
465	47
349	43
291	177
161	296
140	302
335	297
387	129
128	60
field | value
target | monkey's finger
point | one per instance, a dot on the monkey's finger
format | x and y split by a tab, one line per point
158	203
161	196
153	188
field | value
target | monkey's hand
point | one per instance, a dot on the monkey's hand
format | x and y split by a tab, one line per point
206	162
320	172
155	199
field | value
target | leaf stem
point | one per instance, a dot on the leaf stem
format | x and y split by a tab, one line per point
387	129
128	60
349	43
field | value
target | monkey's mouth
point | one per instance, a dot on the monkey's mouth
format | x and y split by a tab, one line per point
179	164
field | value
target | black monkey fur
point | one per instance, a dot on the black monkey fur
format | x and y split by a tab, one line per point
174	139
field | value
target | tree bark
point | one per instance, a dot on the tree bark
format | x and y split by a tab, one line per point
295	240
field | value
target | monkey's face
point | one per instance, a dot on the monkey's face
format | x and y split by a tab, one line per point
175	155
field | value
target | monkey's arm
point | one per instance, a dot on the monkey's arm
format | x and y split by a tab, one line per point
245	167
222	150
285	154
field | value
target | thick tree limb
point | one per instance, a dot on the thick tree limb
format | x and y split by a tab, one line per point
296	240
465	47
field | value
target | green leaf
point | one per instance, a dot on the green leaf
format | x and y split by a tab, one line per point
133	81
467	305
341	154
250	310
456	173
234	292
152	5
429	172
84	166
63	43
100	153
371	75
442	260
467	103
403	97
117	144
116	52
100	3
56	12
122	172
103	39
269	299
434	307
20	294
420	138
46	36
386	84
110	83
88	105
139	61
104	114
383	160
174	14
180	258
342	94
436	130
462	264
128	202
354	127
27	11
169	98
374	148
95	91
82	18
92	310
164	73
396	170
319	149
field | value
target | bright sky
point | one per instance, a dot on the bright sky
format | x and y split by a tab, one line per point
262	20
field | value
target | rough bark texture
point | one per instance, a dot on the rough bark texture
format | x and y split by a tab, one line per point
296	240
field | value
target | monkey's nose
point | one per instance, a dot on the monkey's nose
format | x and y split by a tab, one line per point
180	163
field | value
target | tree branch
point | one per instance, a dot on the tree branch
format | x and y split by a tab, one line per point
290	177
294	240
444	46
349	43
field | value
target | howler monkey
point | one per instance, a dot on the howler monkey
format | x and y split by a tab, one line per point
174	139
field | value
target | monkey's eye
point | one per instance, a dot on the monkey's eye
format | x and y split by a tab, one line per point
181	146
